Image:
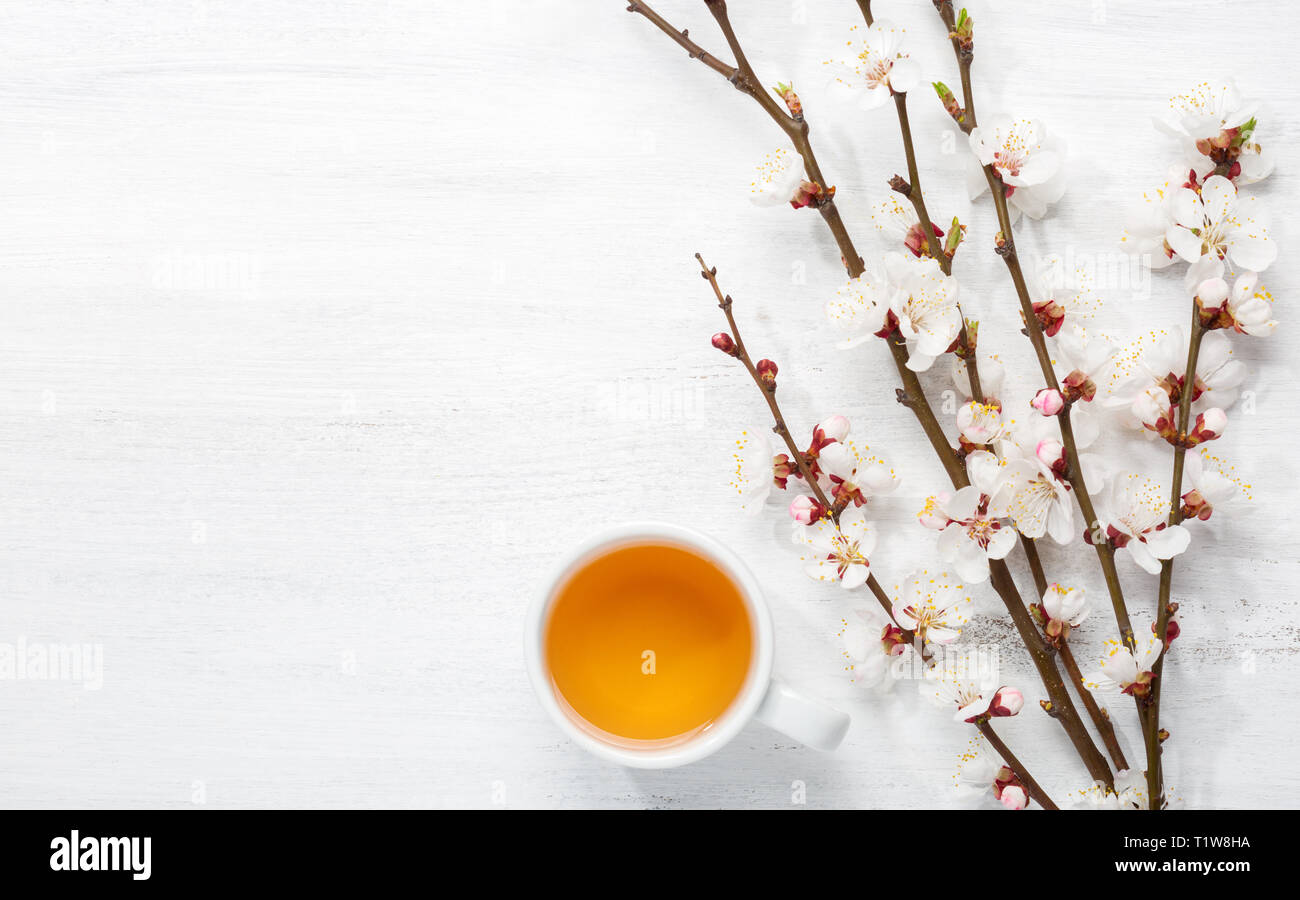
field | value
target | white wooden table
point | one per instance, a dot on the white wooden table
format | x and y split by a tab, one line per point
326	326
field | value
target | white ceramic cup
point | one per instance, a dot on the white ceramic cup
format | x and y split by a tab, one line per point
761	697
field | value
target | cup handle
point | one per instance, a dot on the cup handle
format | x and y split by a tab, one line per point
808	721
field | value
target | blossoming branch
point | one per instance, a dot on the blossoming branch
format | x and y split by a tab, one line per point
1014	479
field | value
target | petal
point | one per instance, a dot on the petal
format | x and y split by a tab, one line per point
856	576
904	618
1142	556
1060	521
1184	243
1204	269
976	182
962	505
1002	543
836	459
1168	542
1038	168
1253	251
1217	196
878	478
1086	426
971	563
1185	206
918	361
904	75
985	471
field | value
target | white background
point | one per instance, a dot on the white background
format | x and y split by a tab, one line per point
325	327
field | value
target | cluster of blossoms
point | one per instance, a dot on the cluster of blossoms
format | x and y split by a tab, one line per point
907	296
1024	471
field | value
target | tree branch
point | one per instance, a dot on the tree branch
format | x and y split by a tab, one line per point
1151	726
769	394
684	41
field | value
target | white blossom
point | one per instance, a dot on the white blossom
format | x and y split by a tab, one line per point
838	552
874	67
1218	222
1030	162
934	607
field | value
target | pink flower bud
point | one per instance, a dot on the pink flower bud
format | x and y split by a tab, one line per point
1209	425
767	372
1078	386
805	510
1008	701
1172	630
1051	453
723	342
1195	506
1048	401
1051	315
782	470
915	239
1013	796
810	193
836	428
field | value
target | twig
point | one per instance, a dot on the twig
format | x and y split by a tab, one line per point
769	394
684	41
1037	793
914	193
1151	727
965	57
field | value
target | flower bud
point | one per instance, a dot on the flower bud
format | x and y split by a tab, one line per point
782	469
1195	506
1048	401
767	373
836	428
1051	453
724	342
786	93
1078	386
949	100
806	510
1050	315
1211	293
1209	425
1172	630
1013	796
963	31
956	231
1008	789
810	193
894	641
1008	701
916	241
